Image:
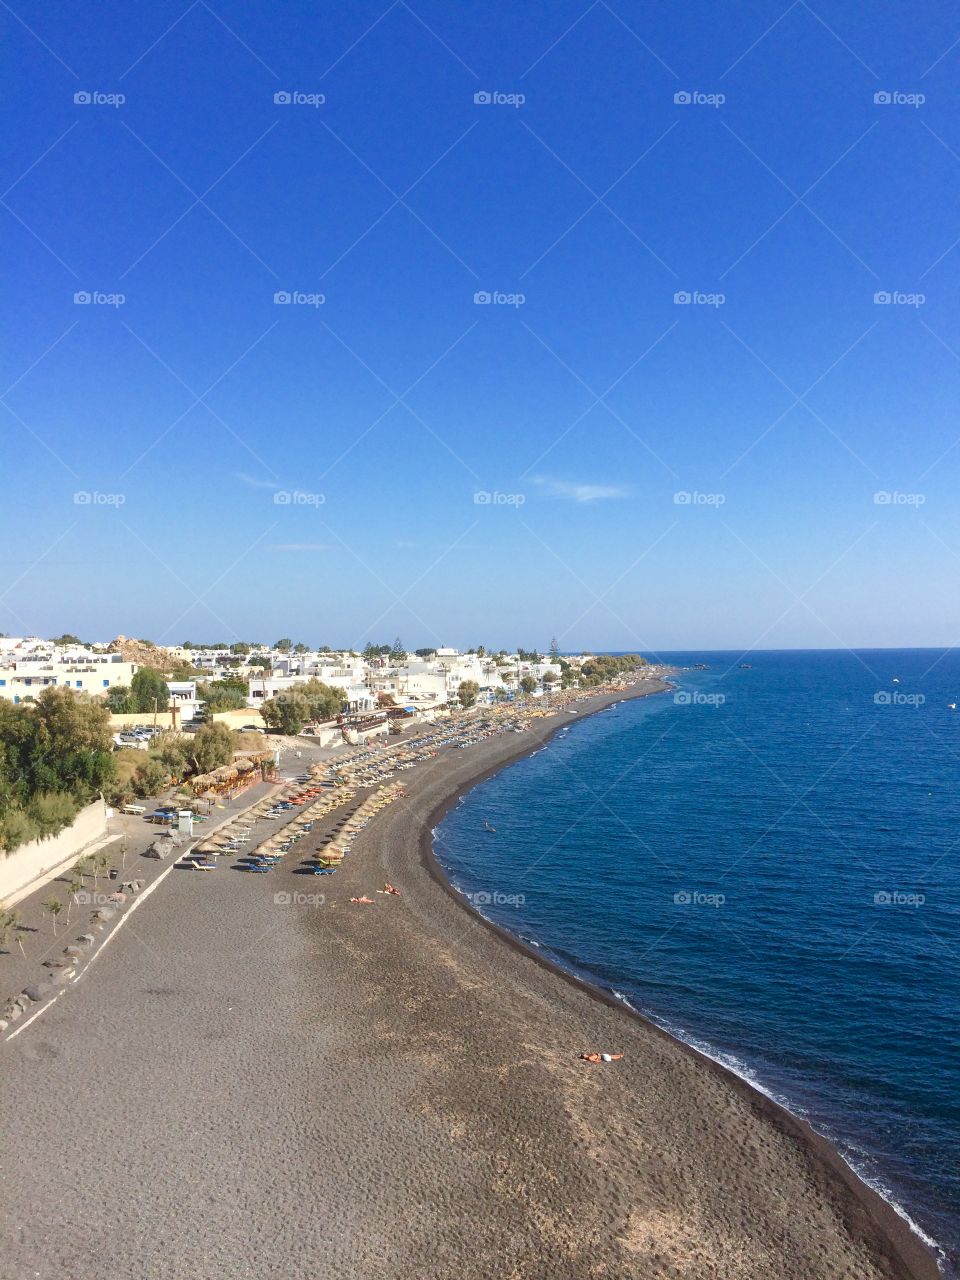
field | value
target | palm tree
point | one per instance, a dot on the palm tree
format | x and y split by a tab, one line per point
74	885
53	906
12	920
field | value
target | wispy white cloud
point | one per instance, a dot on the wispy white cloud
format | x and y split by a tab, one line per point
254	482
301	546
574	491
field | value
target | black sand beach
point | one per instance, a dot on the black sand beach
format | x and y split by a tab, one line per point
242	1087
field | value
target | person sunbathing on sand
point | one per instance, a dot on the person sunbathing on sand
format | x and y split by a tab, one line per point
601	1057
364	899
388	888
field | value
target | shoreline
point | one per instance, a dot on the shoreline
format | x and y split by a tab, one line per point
393	1091
913	1254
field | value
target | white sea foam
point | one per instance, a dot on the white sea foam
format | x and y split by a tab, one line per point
738	1068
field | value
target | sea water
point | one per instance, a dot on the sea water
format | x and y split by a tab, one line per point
765	862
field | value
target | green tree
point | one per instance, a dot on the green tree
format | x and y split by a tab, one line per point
213	746
549	677
528	684
313	700
149	691
260	661
11	921
554	650
284	713
240	648
150	778
173	753
300	647
66	638
398	653
223	695
119	700
284	645
467	693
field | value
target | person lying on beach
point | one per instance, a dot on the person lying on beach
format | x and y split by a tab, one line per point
601	1057
364	899
388	888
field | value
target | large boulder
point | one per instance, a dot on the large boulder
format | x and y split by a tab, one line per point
38	991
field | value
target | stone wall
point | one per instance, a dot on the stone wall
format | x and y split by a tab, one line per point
28	867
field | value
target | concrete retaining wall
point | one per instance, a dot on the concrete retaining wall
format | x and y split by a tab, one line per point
32	864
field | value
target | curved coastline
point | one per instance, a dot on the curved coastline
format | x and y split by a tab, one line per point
866	1212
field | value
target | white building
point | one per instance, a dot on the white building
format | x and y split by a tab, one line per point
29	667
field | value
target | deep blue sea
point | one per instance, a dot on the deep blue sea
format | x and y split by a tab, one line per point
765	862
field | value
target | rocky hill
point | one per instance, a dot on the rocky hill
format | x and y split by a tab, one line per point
142	653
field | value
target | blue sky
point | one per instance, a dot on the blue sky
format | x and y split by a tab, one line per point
585	399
